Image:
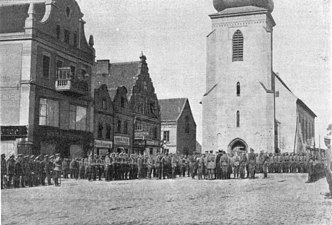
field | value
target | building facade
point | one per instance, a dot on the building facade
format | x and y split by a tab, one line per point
45	66
240	110
178	127
103	121
136	105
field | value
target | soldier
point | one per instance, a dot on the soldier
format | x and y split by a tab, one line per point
224	162
173	166
65	168
41	168
51	167
113	161
236	165
158	165
261	158
265	163
293	162
206	165
107	168
3	170
200	167
149	165
211	165
18	171
88	166
47	169
99	167
140	166
10	170
24	171
252	163
328	163
57	170
81	168
243	164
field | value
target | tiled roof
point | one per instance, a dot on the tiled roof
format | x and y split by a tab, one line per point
13	16
119	74
171	108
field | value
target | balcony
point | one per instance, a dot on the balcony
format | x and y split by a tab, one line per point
67	83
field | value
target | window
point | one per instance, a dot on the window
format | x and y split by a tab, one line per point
46	66
75	39
187	124
119	126
48	112
151	151
104	104
73	71
166	135
122	102
125	127
77	118
108	131
57	31
152	108
67	36
155	132
238	46
238	119
238	89
58	64
100	130
138	125
67	11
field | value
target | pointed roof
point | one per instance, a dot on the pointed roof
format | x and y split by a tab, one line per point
171	109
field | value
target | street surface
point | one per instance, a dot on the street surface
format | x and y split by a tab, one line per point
280	199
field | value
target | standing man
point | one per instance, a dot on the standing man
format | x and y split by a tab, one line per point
10	170
236	165
48	169
243	164
57	169
218	166
3	170
18	171
224	162
252	163
265	164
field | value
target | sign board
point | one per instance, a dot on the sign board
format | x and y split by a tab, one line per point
14	131
153	142
141	134
139	142
119	140
103	144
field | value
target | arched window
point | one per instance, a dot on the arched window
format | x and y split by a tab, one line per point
238	89
238	119
238	46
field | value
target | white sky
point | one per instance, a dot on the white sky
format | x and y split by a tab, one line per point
172	34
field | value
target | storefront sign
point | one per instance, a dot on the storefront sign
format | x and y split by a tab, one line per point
119	140
14	131
139	142
152	143
103	144
141	134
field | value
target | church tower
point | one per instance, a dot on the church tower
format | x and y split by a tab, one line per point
239	103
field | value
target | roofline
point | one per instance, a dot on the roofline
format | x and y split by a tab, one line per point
20	2
282	82
300	102
164	99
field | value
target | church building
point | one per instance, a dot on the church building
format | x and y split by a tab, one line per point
246	104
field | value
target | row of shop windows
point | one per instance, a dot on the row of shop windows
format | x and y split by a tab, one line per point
49	115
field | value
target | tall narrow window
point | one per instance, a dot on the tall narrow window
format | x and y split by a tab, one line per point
108	131
186	124
122	102
238	46
166	135
67	36
238	119
57	31
119	126
46	66
100	130
75	39
73	71
238	89
125	127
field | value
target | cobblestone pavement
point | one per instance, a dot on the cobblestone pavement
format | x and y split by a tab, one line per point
280	199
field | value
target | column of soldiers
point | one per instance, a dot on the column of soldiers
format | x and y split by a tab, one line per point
41	170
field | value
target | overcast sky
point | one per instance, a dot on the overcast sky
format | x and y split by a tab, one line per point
172	34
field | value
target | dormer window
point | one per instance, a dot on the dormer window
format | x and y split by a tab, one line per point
67	36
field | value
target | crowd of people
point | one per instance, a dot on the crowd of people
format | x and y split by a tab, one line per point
29	170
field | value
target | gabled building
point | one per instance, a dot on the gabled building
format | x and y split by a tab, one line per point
103	121
178	127
136	105
45	70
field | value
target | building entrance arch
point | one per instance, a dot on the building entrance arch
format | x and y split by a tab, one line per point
237	145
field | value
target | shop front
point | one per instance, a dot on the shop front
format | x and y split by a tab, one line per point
14	140
103	147
146	147
69	143
122	144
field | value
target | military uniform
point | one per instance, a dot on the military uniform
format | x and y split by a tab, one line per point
18	172
10	170
243	164
224	162
48	169
236	164
252	164
200	167
3	170
57	170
